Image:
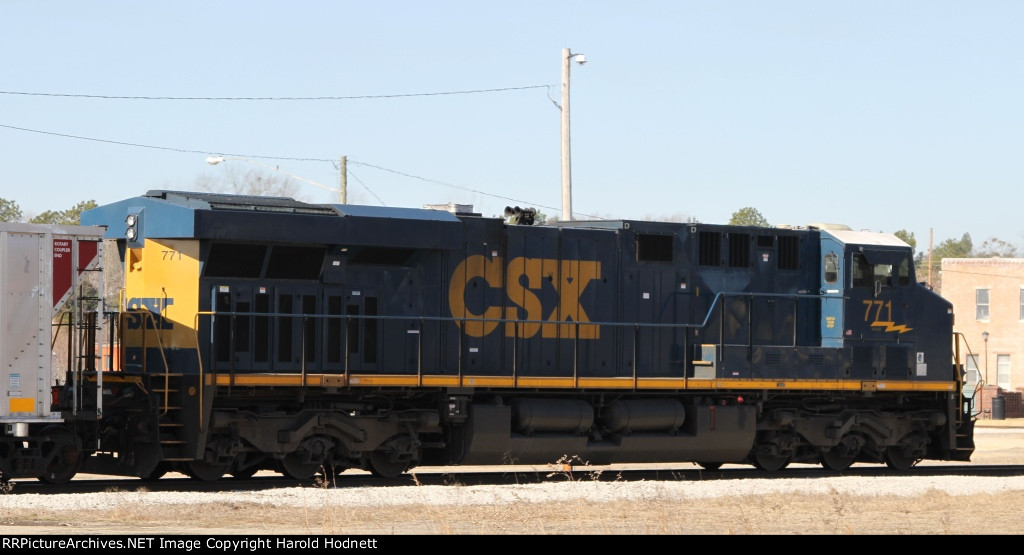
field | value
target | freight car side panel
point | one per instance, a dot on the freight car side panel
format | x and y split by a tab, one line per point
41	267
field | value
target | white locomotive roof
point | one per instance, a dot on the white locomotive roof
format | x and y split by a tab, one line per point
849	237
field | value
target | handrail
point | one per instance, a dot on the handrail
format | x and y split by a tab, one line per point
501	320
199	362
962	378
148	318
717	304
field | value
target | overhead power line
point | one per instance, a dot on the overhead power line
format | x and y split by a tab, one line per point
292	98
286	158
139	145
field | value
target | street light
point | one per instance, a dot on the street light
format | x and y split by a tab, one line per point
567	57
984	337
214	160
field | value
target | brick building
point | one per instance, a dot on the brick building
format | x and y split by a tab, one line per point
988	305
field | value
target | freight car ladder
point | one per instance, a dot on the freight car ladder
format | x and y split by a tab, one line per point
78	288
86	323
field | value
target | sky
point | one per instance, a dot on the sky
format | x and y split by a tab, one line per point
878	115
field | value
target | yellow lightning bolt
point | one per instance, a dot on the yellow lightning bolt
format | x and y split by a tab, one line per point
891	326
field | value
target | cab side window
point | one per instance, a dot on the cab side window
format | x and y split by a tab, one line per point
863	273
887	273
831	267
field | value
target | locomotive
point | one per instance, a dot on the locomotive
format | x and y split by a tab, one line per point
264	333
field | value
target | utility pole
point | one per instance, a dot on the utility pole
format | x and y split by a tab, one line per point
567	57
929	257
343	166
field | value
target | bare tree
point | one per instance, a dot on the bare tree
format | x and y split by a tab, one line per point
250	182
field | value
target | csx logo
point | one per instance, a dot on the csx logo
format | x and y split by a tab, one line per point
521	280
149	310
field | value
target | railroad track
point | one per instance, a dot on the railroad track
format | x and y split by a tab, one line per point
436	477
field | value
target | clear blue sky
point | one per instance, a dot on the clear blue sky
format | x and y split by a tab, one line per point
879	115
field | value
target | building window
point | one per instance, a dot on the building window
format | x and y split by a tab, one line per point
1003	370
972	371
981	304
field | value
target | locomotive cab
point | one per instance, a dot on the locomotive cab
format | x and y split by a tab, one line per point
862	270
873	306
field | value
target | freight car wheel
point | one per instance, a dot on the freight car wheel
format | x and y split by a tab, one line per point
65	457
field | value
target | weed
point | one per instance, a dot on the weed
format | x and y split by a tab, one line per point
564	466
838	509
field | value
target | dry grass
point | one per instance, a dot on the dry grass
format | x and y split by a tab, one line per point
933	513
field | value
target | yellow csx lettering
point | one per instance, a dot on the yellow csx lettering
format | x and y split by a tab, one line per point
520	279
148	311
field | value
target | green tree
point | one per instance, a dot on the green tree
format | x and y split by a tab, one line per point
71	216
908	238
996	247
9	211
950	248
749	216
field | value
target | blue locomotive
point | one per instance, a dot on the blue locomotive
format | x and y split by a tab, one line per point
261	333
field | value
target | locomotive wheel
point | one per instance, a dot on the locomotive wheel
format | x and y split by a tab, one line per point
770	462
245	467
897	458
245	473
842	455
773	452
158	472
382	466
837	458
66	458
296	467
206	472
907	453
